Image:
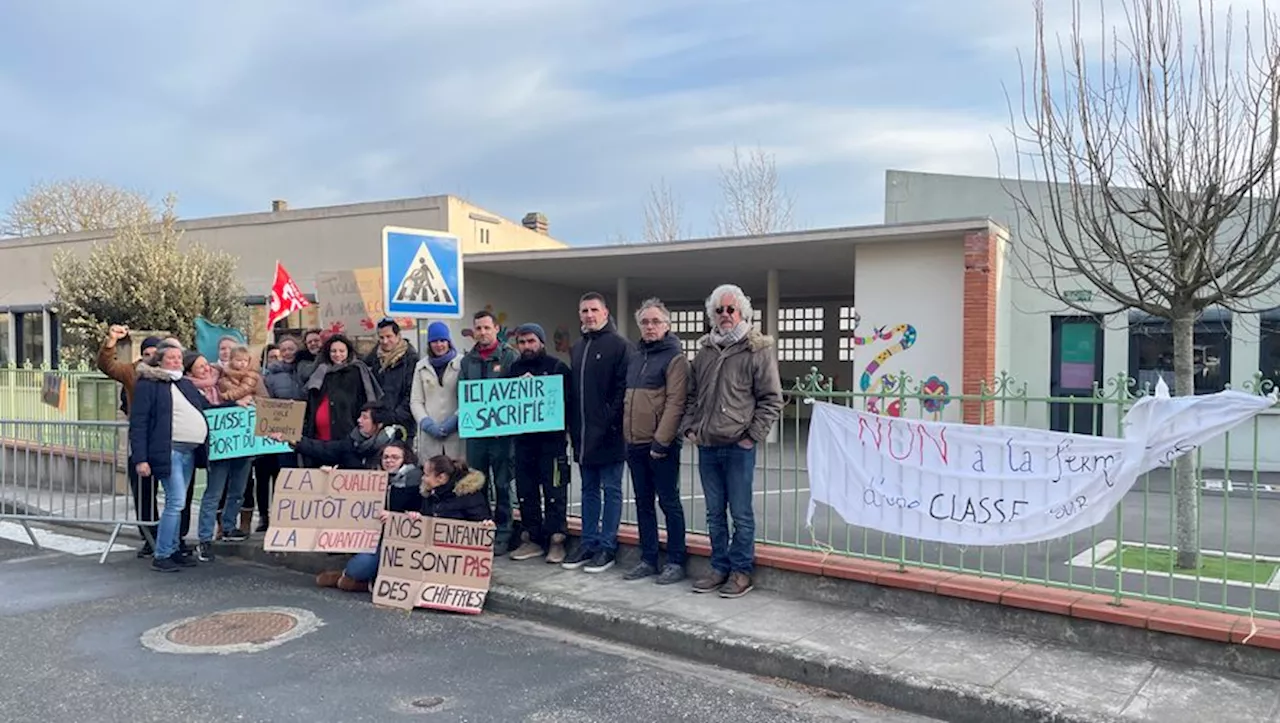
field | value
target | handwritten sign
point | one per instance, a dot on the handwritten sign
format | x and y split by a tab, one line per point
279	416
231	434
502	407
983	485
436	563
334	511
351	302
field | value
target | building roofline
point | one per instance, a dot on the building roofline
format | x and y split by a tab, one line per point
865	234
367	208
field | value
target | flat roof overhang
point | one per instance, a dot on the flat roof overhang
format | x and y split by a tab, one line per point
811	264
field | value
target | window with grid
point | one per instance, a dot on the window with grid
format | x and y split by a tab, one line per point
801	319
800	349
846	318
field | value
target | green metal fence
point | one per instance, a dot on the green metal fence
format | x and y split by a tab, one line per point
1126	556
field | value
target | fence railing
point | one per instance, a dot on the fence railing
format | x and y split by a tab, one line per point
1127	556
90	396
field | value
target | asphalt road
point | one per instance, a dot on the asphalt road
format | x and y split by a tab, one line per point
70	651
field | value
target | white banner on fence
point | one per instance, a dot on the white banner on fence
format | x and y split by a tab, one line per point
981	485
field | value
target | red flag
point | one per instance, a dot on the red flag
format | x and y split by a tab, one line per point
286	297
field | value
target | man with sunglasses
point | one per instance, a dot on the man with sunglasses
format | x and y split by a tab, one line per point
735	397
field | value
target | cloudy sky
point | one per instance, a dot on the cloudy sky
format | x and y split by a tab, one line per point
571	107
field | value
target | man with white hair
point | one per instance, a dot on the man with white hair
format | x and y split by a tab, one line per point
735	396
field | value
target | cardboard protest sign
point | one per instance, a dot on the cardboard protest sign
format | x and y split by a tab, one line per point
279	416
231	434
434	563
333	511
351	302
502	407
54	391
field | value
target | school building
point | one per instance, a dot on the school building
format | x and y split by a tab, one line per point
931	296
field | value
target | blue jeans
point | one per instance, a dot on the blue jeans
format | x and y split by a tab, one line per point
727	474
182	462
658	478
600	527
363	566
233	474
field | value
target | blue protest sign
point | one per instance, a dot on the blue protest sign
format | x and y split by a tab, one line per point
503	407
421	273
231	434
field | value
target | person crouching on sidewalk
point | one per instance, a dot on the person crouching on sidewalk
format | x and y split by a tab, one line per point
404	494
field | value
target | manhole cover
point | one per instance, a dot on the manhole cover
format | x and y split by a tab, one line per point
242	630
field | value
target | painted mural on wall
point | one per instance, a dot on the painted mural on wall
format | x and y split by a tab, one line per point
883	387
560	336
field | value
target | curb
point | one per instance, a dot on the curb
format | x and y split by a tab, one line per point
877	683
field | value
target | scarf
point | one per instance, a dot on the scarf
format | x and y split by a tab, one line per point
441	363
486	352
388	359
371	390
726	339
208	388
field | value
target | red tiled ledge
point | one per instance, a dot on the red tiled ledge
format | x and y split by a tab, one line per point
1155	616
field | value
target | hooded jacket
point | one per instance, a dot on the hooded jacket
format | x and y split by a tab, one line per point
236	385
657	386
734	393
151	420
460	499
543	365
597	391
281	382
394	374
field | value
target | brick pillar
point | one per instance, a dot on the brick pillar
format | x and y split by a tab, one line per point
979	322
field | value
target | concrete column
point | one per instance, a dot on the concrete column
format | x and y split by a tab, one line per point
622	314
11	343
771	303
47	326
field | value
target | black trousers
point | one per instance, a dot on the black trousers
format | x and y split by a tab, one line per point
185	528
144	503
542	486
258	495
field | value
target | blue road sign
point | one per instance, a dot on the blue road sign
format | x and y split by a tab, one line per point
421	273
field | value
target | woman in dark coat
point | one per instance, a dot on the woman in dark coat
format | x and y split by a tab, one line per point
337	390
168	439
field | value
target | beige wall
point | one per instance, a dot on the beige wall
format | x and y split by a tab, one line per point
306	241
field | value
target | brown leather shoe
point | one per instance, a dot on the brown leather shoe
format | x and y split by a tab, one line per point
739	584
556	551
328	578
710	583
349	585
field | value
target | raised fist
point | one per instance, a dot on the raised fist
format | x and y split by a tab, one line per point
118	332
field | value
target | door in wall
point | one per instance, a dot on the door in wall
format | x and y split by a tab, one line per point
1075	367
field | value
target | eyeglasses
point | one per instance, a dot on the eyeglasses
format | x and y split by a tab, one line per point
652	322
725	310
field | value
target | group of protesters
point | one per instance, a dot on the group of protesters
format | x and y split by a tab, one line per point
629	406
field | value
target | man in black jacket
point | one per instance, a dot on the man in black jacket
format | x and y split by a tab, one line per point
596	393
542	468
392	363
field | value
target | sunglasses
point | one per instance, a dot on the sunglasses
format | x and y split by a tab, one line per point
725	309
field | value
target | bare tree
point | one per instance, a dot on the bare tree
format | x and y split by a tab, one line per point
663	215
1157	150
76	205
754	201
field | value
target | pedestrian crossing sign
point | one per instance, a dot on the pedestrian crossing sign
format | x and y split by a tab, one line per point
421	273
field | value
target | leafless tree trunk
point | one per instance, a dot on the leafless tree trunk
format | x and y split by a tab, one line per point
754	201
76	205
663	215
1157	152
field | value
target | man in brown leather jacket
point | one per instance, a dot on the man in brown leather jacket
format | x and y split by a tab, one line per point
735	396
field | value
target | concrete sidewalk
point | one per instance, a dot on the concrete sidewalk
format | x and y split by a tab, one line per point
931	668
945	671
